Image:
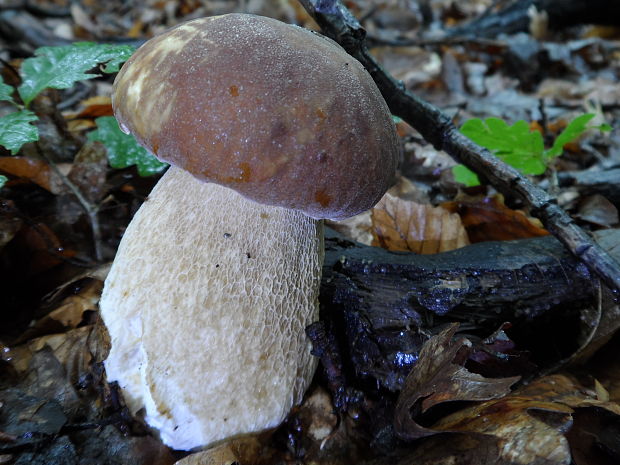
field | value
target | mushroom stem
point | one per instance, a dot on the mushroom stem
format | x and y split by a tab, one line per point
218	348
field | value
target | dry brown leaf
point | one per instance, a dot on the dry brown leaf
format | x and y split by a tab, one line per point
439	376
74	349
405	225
242	451
69	313
36	171
528	430
531	423
89	170
219	455
596	209
94	107
357	228
564	389
488	219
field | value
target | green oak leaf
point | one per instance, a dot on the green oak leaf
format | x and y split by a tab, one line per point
61	67
123	150
16	130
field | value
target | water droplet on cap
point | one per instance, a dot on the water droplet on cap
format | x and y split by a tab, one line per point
124	128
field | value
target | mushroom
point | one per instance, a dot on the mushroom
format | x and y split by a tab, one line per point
269	127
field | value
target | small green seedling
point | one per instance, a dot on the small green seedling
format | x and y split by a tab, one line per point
519	146
61	68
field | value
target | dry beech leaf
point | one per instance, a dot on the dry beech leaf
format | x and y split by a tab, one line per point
36	171
219	455
531	424
74	349
357	228
439	376
488	219
241	451
404	225
94	107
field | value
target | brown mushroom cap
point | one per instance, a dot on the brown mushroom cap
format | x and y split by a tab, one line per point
281	115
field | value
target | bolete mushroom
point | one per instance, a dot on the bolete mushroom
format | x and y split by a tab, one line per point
269	127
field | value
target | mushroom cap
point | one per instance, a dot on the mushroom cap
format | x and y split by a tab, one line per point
280	114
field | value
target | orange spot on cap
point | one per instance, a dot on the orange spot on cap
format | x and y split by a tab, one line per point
322	198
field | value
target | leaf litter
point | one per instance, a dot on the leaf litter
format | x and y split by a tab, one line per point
55	406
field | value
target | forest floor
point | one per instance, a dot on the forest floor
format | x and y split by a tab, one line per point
527	377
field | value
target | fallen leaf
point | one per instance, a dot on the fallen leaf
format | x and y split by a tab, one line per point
531	423
528	431
69	313
405	225
36	171
93	107
488	219
241	451
597	210
439	377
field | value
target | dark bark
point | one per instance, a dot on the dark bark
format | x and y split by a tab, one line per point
389	303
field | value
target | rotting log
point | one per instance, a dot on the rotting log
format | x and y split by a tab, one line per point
388	303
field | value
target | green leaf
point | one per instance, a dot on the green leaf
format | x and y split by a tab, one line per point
464	175
16	130
516	144
123	150
61	67
6	91
571	132
3	179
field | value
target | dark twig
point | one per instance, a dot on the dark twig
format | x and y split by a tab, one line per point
92	211
437	128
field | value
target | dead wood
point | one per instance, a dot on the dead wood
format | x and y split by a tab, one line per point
389	303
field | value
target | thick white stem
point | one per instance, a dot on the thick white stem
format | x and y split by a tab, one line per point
206	305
